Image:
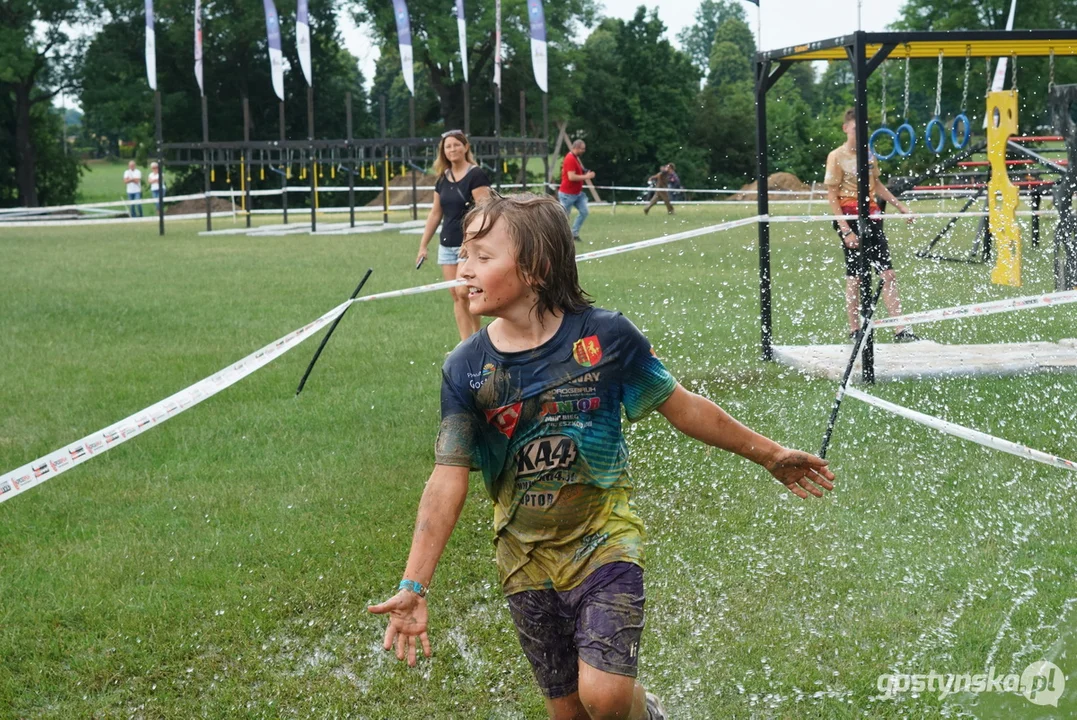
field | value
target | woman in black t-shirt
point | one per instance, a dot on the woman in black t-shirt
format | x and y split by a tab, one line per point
461	183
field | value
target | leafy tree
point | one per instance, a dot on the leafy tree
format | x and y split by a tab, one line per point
639	100
698	39
37	62
735	30
728	65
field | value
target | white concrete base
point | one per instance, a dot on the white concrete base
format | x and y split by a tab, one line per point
926	359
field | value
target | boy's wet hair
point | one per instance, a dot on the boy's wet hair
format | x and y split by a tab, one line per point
545	250
850	115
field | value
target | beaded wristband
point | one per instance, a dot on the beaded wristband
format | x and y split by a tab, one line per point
412	586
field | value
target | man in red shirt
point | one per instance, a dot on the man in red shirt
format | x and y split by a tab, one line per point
571	192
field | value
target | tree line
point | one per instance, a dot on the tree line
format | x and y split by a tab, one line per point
638	100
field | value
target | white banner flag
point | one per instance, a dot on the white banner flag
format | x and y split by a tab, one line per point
198	45
151	48
461	30
302	40
538	41
403	31
497	47
276	57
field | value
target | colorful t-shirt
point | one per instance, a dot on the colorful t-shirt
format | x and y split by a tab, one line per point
544	426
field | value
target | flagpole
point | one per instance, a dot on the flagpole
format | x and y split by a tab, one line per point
497	92
205	164
313	164
160	165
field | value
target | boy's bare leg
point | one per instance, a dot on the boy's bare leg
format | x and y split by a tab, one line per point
606	696
568	707
890	296
602	696
852	302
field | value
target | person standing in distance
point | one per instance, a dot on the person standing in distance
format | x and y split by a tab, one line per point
157	185
571	192
132	183
460	184
840	181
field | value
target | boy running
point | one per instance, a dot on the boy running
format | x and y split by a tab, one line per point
840	181
534	401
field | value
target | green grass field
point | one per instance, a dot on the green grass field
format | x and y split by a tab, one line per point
220	566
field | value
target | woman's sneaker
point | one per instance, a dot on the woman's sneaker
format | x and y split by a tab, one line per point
905	336
655	709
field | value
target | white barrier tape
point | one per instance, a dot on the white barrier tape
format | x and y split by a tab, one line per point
964	433
58	461
446	284
988	308
617	250
44	210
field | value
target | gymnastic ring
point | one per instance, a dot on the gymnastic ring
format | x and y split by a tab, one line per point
964	140
934	125
883	132
905	151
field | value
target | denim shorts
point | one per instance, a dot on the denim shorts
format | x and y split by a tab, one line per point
599	622
448	255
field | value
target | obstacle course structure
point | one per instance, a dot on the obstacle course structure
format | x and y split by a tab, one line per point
865	53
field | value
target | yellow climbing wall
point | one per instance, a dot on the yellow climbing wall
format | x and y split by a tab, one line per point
1002	209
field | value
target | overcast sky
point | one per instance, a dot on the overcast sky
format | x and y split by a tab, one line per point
785	22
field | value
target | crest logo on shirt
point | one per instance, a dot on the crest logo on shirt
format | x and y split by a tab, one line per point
505	418
587	351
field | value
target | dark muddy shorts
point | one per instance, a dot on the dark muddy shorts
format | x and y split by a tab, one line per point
599	622
875	245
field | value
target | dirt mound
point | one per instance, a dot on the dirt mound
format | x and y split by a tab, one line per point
189	207
778	181
400	190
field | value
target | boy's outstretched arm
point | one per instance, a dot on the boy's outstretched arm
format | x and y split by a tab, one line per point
701	419
439	510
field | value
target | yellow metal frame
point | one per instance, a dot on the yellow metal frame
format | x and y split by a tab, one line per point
1020	43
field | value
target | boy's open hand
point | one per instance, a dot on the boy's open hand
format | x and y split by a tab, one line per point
801	472
407	620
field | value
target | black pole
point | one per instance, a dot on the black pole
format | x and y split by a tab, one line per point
329	334
285	164
160	163
351	162
849	371
546	141
523	134
1035	207
414	190
497	136
863	193
467	109
247	158
762	73
384	168
205	164
313	164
